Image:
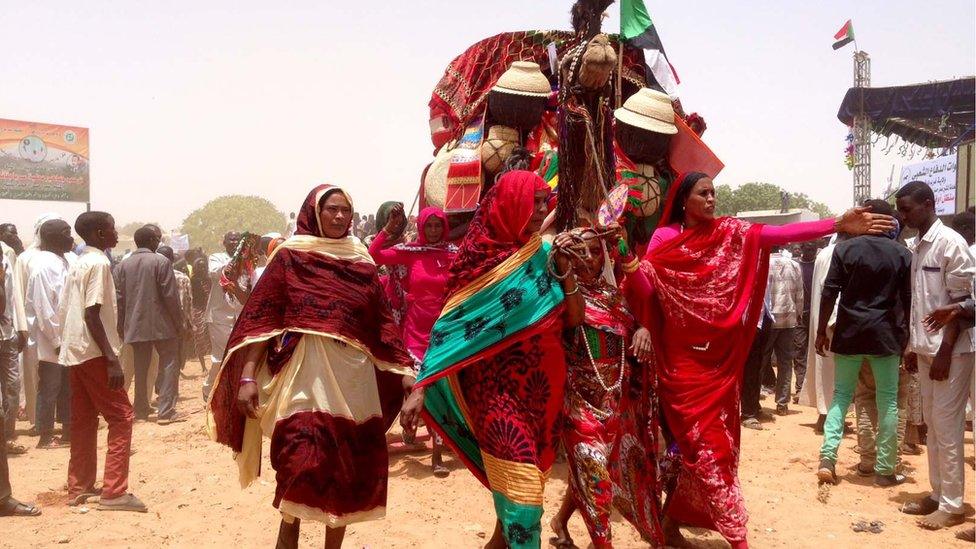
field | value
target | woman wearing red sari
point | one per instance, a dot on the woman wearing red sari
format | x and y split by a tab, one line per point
315	364
700	289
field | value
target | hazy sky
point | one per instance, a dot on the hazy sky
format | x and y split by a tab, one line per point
188	101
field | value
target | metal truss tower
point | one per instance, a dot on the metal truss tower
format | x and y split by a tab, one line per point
862	132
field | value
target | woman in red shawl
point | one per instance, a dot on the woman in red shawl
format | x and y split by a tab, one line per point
426	262
315	363
700	289
493	376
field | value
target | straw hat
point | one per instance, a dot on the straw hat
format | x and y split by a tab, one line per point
524	78
650	110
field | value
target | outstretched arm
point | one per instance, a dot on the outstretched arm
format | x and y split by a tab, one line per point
856	221
384	255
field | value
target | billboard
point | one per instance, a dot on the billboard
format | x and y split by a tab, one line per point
940	174
43	161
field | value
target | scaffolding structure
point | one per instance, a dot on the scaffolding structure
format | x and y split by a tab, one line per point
862	132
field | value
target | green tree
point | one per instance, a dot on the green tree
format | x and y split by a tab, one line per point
131	227
762	196
207	225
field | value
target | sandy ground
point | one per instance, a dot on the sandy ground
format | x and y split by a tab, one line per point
191	488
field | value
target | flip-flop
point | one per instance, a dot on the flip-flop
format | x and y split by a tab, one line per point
90	495
14	508
862	472
169	420
562	543
924	506
54	444
128	502
16	449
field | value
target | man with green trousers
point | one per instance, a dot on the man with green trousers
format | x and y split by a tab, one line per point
872	276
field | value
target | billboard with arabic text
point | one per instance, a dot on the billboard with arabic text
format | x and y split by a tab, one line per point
43	161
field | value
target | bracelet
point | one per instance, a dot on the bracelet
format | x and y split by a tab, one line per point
575	291
631	266
245	380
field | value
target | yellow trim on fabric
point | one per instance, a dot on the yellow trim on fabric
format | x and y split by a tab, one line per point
348	248
455	385
503	269
306	513
382	365
519	482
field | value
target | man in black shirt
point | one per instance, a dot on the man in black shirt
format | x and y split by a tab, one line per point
872	275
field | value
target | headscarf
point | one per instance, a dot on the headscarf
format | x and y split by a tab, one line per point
308	222
312	285
383	216
425	215
42	219
499	228
674	211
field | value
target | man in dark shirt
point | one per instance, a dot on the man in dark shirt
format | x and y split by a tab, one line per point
872	275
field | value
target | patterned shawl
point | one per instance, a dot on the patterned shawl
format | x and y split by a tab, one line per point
311	285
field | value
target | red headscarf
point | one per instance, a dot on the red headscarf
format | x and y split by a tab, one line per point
425	215
499	228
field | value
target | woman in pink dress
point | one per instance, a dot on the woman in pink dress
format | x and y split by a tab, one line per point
427	261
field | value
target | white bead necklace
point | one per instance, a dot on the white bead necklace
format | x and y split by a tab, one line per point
602	414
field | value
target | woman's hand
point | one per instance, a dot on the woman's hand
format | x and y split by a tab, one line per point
640	345
410	413
857	221
247	399
396	221
562	243
407	382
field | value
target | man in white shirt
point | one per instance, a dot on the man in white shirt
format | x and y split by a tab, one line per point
942	273
45	283
28	387
223	307
13	338
785	287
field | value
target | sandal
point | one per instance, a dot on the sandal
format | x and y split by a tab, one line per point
14	508
89	495
53	444
864	472
127	502
14	449
752	423
923	506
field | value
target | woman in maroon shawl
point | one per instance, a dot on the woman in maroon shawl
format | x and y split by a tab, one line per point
315	363
707	278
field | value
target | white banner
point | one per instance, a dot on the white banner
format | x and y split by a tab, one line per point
940	174
179	242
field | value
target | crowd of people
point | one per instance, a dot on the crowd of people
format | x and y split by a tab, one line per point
516	345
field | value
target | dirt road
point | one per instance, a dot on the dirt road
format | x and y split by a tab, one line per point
191	488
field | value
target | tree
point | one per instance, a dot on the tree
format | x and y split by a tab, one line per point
131	227
207	225
762	196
